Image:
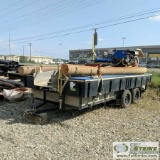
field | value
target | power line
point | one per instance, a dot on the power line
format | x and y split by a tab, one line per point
56	8
31	13
43	14
19	9
101	27
94	24
70	12
11	5
86	26
80	27
134	20
57	15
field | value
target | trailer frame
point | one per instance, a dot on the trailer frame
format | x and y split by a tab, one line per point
80	92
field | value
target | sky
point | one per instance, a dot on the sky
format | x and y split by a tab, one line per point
54	27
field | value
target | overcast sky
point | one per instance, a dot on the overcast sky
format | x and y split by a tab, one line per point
56	26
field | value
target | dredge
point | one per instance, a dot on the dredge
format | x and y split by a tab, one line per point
113	77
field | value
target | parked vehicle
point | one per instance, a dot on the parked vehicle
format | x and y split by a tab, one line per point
153	65
74	86
142	65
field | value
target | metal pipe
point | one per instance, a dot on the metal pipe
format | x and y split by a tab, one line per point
27	70
6	84
2	61
68	69
1	97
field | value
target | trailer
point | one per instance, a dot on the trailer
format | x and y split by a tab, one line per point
116	76
80	92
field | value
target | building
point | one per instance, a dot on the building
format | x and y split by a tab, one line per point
152	53
36	59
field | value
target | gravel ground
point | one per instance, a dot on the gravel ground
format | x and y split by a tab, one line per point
75	135
153	70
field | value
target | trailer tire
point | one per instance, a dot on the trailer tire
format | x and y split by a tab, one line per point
126	99
136	94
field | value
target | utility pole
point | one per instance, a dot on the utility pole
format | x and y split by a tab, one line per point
9	43
23	50
30	45
146	58
60	50
123	41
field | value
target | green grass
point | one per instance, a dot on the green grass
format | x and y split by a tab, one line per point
155	80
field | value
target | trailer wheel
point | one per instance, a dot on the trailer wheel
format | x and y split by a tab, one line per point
126	99
136	95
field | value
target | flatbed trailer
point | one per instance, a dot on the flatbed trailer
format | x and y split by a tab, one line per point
80	92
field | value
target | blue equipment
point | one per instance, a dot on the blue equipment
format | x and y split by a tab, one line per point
119	58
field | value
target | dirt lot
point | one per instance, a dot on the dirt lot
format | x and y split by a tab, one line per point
77	135
154	70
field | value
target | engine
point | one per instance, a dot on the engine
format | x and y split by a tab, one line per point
119	58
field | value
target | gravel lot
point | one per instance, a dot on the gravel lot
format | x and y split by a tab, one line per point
153	70
77	135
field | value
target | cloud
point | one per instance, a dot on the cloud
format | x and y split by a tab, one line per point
155	18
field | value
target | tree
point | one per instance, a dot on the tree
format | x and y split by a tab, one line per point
31	61
23	59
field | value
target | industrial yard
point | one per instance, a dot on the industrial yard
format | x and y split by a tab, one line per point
109	100
79	80
86	134
70	134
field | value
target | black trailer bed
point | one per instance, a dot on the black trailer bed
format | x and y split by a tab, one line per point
88	86
85	91
82	92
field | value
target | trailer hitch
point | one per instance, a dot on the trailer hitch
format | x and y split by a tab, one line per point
36	114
